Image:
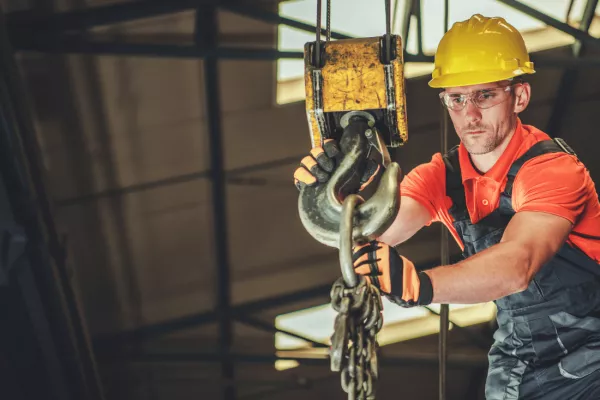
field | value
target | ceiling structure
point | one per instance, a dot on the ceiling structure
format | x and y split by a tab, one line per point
167	162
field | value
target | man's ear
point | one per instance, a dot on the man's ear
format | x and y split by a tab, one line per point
522	95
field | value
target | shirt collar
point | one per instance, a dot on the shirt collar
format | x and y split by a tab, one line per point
500	169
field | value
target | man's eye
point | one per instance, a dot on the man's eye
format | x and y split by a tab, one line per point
487	95
456	99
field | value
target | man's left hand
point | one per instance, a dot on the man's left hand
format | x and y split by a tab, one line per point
394	275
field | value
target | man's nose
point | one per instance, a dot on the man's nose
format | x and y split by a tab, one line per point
472	112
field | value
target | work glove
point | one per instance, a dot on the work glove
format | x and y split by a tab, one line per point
394	275
317	167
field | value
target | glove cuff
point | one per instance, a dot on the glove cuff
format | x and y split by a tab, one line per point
425	289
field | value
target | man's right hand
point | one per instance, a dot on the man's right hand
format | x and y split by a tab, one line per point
321	163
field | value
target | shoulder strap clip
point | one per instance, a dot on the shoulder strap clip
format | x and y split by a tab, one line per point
563	145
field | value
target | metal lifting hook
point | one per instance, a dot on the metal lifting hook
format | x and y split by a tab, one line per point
321	207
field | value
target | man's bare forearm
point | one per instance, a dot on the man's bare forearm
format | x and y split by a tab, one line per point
496	272
410	219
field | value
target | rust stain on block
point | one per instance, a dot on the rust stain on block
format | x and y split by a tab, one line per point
353	76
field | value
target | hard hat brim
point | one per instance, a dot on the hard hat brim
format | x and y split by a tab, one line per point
476	77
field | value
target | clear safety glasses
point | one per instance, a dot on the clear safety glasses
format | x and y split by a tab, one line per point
484	98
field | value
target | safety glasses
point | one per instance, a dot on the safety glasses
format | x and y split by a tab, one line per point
484	98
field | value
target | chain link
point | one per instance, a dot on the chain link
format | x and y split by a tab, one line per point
354	342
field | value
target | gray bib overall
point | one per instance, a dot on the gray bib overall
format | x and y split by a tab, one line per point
547	345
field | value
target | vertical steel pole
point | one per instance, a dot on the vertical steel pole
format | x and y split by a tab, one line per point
444	255
206	35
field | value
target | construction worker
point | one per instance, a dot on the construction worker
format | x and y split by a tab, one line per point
521	206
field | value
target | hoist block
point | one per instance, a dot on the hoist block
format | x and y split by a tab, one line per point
356	75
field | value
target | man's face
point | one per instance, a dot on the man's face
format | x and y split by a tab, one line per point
481	130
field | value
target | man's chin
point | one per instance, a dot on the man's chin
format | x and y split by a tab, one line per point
476	148
477	151
476	144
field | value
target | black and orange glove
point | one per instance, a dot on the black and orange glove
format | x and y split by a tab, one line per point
394	275
321	163
318	166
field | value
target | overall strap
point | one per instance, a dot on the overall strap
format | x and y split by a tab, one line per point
454	186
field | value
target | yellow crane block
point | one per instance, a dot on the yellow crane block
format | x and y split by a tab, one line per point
354	78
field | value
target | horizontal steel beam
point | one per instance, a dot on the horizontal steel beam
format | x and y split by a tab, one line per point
232	174
74	44
542	61
225	39
101	15
478	359
191	321
129	11
578	34
268	327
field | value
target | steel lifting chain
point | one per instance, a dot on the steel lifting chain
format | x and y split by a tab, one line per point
359	319
354	342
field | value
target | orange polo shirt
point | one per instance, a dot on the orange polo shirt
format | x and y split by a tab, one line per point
556	183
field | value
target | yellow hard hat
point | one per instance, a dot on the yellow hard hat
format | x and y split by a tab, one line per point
480	50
